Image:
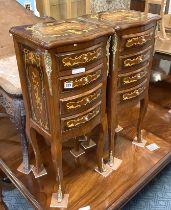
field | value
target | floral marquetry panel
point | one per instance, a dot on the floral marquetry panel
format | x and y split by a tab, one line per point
59	32
36	89
119	17
53	31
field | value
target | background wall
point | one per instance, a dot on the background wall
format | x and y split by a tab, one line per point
104	5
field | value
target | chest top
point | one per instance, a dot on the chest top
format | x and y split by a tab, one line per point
57	33
121	18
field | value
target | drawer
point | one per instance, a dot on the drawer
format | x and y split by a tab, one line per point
137	41
75	82
132	93
136	59
80	58
81	119
132	78
81	102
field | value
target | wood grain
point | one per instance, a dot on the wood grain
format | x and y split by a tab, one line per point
83	184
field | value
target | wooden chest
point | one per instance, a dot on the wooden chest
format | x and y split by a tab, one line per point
63	69
131	52
63	72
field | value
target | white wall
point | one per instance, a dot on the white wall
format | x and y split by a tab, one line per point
170	8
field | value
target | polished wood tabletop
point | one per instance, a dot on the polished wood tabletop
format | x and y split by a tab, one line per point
84	185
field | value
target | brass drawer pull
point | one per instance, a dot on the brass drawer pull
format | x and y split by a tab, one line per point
133	94
136	41
135	61
83	119
132	62
84	101
84	58
84	80
135	78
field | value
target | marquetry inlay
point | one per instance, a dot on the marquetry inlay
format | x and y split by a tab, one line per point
32	57
85	80
140	40
136	60
136	77
82	120
83	101
83	58
133	94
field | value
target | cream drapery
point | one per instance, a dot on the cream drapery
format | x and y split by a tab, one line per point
61	9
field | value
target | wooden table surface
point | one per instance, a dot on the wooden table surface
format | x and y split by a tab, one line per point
84	185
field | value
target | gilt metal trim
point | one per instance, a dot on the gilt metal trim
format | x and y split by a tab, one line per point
108	53
111	159
48	68
114	47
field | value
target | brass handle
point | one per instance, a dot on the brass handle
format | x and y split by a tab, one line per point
83	58
131	62
138	40
85	80
135	78
83	102
83	119
133	94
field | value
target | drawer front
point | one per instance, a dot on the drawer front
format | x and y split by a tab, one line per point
79	103
79	58
82	119
136	59
132	93
132	78
76	82
137	40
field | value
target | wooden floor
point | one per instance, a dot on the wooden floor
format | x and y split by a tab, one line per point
84	185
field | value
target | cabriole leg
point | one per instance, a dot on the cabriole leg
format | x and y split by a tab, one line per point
112	138
143	110
100	146
102	168
59	199
39	170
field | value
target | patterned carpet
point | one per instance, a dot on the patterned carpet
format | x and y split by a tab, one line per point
155	196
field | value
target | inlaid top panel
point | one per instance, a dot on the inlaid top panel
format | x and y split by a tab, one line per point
56	33
121	18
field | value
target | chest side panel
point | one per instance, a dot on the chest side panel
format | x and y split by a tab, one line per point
35	84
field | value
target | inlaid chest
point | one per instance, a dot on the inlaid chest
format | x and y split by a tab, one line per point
64	62
63	70
131	52
132	49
